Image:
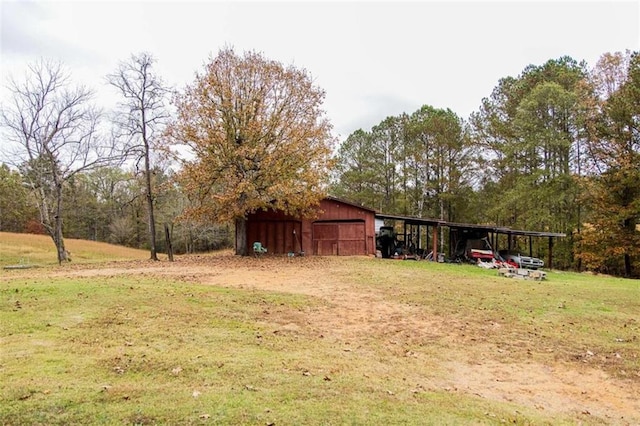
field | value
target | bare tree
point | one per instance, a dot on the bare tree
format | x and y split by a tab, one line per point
50	132
141	117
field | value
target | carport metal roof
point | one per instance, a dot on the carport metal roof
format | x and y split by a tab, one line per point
504	230
410	220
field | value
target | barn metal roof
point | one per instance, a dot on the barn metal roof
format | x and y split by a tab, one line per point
350	203
412	220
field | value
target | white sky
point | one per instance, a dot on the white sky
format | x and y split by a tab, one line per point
373	59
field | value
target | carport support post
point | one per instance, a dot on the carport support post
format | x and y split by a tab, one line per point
406	246
530	246
549	261
435	242
426	238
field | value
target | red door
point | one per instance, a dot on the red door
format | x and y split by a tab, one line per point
339	238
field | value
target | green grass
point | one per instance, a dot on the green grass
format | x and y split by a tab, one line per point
141	349
122	350
564	316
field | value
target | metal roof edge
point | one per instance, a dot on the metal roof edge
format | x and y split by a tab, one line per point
350	203
493	228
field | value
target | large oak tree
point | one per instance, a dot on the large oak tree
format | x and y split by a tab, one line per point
259	136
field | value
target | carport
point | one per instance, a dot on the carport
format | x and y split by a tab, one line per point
494	232
430	233
422	232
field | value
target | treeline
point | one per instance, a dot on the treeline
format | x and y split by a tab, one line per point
108	204
555	149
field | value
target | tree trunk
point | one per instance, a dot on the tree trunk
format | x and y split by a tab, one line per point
152	220
63	254
627	265
241	236
58	239
152	223
169	246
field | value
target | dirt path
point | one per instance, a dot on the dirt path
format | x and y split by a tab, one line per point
349	314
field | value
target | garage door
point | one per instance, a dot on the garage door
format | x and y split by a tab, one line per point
339	238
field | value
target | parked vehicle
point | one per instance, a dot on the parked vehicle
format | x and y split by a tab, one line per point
389	246
386	242
474	250
517	260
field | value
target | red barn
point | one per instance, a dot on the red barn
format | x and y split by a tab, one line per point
341	228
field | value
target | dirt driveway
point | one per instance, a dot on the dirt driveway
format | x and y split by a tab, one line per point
353	313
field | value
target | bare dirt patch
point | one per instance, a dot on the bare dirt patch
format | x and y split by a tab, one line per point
350	313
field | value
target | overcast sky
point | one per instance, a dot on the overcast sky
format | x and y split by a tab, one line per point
373	59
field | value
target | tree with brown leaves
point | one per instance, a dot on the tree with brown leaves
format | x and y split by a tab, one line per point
611	241
259	137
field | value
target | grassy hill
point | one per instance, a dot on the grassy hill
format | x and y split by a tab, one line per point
39	250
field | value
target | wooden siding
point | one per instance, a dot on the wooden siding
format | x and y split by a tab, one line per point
339	238
277	236
340	228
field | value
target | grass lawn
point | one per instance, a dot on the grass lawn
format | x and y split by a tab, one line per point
223	340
